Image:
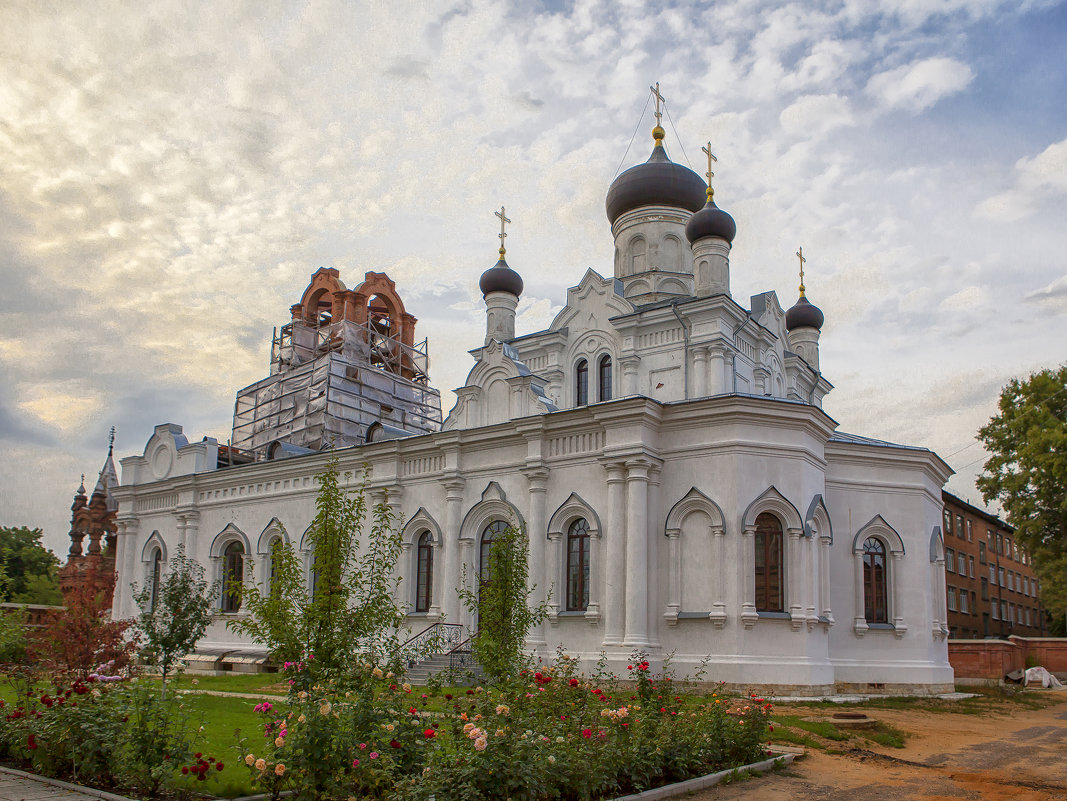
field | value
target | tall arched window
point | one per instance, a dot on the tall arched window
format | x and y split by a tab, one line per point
274	554
604	378
157	576
875	594
581	383
769	582
491	532
233	575
578	566
424	573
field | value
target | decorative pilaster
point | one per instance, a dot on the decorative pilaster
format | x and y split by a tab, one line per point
718	604
900	628
674	592
629	366
450	546
700	372
636	553
796	581
859	613
537	528
615	561
717	384
824	580
746	578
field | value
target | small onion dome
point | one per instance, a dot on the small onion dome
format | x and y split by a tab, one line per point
803	314
500	278
657	182
710	221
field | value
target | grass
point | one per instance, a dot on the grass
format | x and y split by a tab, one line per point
224	721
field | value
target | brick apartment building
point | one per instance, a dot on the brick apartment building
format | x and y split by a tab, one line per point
990	580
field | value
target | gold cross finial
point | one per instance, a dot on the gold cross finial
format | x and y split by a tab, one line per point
710	173
658	132
503	234
800	255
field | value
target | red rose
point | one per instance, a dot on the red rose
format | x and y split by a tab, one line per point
587	733
413	711
218	766
429	734
573	682
185	770
394	744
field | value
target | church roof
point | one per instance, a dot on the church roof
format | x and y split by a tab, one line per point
109	479
856	439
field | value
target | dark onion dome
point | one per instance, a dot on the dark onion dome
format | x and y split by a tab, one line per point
657	182
710	221
803	314
500	278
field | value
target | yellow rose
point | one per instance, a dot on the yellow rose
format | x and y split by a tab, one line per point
261	764
250	760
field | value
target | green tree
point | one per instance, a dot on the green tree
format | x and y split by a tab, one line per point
30	566
501	602
1027	473
174	615
352	616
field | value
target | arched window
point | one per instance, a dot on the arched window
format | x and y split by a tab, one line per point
875	594
578	566
274	551
769	564
424	573
157	576
581	383
491	532
233	575
637	255
604	378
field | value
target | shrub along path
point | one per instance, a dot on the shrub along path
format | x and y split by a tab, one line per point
992	749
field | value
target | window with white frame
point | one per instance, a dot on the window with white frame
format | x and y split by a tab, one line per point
995	608
951	599
875	586
970	565
578	566
1001	574
950	560
961	563
233	576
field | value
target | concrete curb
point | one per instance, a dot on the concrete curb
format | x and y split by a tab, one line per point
88	792
700	782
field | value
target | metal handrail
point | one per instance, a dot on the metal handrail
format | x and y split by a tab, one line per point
435	638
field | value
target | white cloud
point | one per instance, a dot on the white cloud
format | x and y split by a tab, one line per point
918	86
1036	179
812	115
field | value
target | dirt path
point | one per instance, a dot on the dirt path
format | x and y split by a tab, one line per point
1014	754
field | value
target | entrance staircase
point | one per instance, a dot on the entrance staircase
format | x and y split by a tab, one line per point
440	648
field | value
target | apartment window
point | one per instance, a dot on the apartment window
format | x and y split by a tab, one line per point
1011	613
992	574
961	564
970	534
1001	573
1015	551
963	601
1004	611
1000	544
985	589
996	614
1026	586
1019	615
974	604
959	526
1028	618
950	560
970	566
948	522
981	552
952	599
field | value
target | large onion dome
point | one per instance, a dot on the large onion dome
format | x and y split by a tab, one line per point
710	221
803	314
657	182
500	278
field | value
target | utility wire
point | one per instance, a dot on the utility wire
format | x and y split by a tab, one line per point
677	136
641	117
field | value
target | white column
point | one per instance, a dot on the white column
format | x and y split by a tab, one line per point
700	372
615	555
450	545
897	563
859	614
555	554
192	533
718	372
537	531
629	374
471	564
718	552
674	581
653	533
636	553
811	578
824	579
746	577
795	578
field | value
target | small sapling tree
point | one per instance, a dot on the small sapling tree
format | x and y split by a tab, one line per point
175	614
501	601
350	616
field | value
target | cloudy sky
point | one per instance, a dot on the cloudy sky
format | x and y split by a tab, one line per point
172	173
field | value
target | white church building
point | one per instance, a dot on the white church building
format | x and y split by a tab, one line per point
663	445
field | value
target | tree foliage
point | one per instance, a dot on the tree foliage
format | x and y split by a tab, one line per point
30	567
352	615
1027	473
80	638
174	615
501	602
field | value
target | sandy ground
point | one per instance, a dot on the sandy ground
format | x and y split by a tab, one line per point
1016	754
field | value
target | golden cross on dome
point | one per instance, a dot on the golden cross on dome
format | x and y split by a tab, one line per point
503	234
800	255
710	173
659	99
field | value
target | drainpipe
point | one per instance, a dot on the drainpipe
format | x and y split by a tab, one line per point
685	336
